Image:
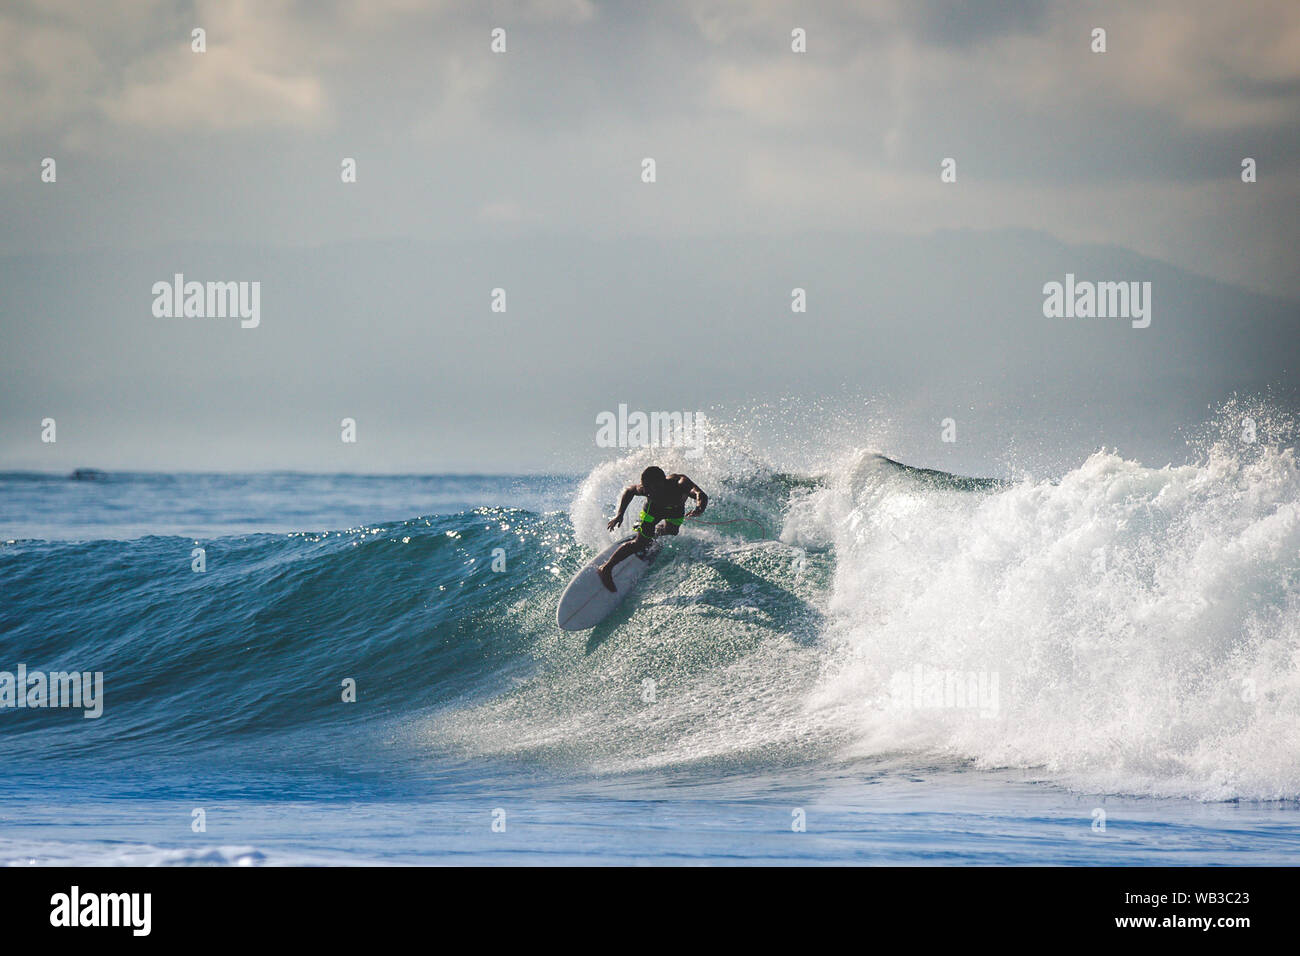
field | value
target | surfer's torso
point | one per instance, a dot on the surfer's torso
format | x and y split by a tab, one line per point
670	501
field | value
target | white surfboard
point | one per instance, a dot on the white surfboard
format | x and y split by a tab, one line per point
586	601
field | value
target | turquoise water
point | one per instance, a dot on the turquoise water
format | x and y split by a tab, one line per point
736	709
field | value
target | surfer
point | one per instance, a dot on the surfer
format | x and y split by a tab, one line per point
664	512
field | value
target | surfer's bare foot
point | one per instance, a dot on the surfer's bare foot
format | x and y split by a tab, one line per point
606	577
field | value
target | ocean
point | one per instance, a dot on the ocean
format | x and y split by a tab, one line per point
866	663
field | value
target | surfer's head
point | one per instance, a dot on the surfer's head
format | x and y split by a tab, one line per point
653	478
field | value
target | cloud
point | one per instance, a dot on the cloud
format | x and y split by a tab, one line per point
749	134
222	89
48	73
1212	65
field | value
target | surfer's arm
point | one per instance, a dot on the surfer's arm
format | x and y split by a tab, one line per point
630	492
701	499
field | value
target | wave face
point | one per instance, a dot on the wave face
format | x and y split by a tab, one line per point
262	640
1120	629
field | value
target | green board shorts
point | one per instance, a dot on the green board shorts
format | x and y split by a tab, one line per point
645	525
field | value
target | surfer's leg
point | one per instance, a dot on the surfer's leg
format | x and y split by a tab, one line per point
635	546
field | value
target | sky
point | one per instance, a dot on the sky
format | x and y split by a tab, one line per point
522	170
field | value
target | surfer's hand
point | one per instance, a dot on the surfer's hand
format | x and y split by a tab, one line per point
697	512
614	522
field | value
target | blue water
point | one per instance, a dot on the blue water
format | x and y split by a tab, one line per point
482	734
